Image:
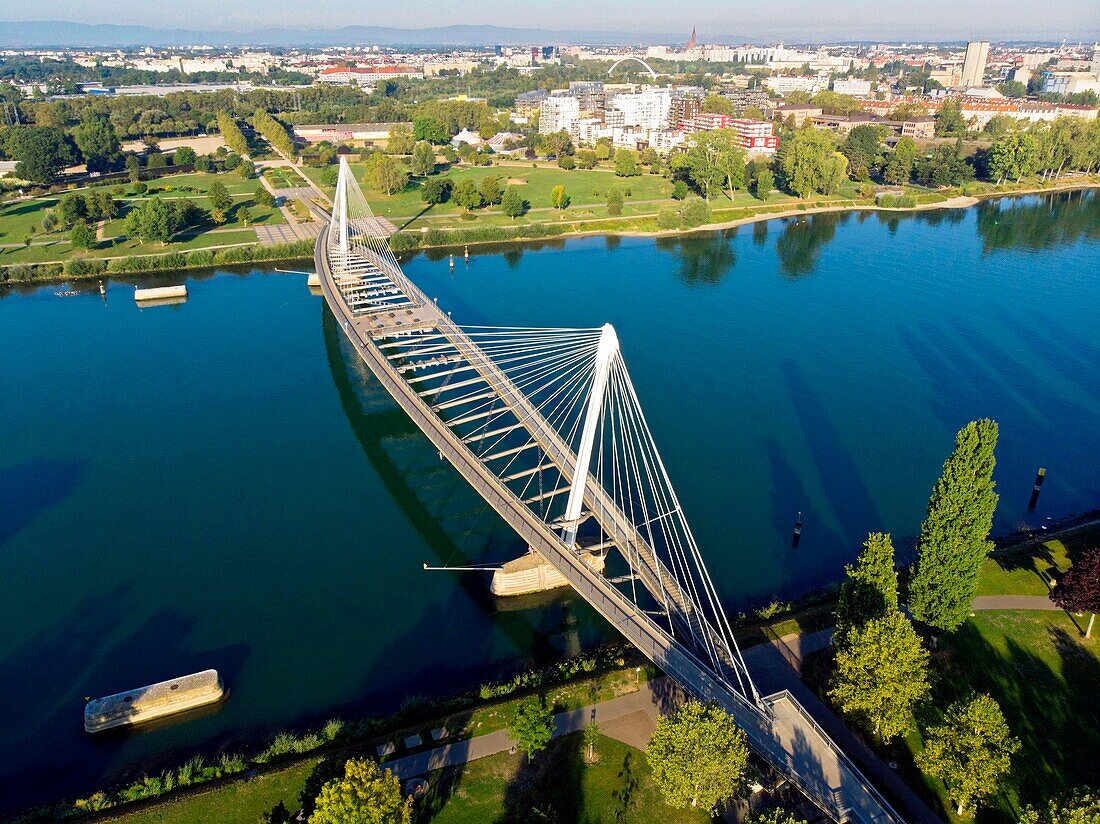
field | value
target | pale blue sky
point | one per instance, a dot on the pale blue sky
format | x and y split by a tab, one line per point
760	19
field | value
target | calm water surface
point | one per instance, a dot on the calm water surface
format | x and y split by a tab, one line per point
219	484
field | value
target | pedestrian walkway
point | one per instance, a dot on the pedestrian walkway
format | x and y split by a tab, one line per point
629	718
1039	602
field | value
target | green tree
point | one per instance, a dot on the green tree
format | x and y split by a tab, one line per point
715	159
512	202
491	191
219	196
698	755
431	130
98	142
150	221
970	752
82	235
679	190
899	166
71	208
436	190
944	166
586	159
591	738
401	140
423	159
695	213
558	198
949	121
871	590
364	795
614	201
41	153
1012	88
532	727
246	169
244	215
467	195
264	198
718	105
566	162
763	184
1081	807
626	163
881	674
184	156
810	163
863	148
1015	155
385	173
954	537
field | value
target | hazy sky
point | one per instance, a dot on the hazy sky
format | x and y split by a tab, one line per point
808	19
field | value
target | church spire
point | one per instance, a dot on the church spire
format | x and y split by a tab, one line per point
692	43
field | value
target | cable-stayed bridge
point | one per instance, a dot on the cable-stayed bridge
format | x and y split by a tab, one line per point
546	426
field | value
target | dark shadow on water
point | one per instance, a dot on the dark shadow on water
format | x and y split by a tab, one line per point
789	497
30	488
1038	222
848	495
760	232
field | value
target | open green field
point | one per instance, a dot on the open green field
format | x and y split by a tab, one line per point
1046	677
1027	570
618	787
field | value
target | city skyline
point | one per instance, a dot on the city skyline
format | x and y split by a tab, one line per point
751	19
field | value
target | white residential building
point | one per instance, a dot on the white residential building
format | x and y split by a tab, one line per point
853	88
786	85
557	113
647	109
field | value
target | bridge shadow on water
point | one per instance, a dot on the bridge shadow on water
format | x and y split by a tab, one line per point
459	529
29	488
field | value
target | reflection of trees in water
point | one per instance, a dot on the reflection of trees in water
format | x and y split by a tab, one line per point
1039	222
760	232
705	257
512	256
801	242
612	242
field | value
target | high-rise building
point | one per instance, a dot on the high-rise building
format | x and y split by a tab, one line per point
557	113
977	53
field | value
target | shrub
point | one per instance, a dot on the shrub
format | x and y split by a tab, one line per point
668	219
696	213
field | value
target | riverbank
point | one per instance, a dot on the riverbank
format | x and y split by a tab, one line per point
405	241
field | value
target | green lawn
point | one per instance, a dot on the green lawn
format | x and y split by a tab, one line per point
238	802
1027	570
617	788
17	219
585	188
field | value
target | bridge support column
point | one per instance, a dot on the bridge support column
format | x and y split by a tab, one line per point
340	206
605	353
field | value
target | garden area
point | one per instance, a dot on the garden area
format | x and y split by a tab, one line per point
30	231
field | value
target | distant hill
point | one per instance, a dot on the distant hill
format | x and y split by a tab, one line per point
43	34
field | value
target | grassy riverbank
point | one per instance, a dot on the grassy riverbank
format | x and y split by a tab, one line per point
648	210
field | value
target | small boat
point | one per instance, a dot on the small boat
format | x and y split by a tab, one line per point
154	701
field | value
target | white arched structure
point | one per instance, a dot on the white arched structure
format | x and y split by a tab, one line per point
645	65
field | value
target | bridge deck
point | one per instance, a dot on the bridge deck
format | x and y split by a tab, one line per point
785	736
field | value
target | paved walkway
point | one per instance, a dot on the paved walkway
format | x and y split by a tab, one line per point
1040	602
629	718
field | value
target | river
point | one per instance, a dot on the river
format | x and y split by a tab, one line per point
219	483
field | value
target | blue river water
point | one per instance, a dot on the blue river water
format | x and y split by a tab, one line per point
219	483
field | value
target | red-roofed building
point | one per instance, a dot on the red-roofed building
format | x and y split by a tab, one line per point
366	75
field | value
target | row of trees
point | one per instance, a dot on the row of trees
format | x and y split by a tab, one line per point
274	132
231	133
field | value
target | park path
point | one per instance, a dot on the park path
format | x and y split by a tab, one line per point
1039	602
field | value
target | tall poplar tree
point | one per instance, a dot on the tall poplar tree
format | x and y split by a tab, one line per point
871	590
954	538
